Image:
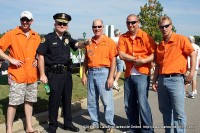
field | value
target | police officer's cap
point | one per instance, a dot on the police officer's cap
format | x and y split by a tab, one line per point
62	17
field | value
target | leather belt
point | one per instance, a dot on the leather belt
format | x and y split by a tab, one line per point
172	75
62	66
96	68
58	68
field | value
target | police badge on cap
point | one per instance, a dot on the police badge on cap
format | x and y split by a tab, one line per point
62	17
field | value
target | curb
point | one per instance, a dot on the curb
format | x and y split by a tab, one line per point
78	107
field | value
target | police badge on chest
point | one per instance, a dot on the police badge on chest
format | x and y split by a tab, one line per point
66	42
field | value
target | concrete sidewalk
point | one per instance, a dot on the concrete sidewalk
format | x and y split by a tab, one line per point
78	107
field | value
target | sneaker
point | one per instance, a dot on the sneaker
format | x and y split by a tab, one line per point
91	128
195	92
116	86
110	130
191	95
129	131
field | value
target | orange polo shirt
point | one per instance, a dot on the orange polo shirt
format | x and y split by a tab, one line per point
172	57
142	46
100	54
21	48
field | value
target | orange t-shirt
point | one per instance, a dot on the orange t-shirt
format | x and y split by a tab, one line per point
172	57
142	46
100	54
21	48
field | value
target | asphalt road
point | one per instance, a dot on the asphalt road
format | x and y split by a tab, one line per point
192	108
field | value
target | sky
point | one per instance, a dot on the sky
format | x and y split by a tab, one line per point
185	14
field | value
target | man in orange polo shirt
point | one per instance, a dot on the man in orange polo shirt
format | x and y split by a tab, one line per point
168	81
22	43
136	48
100	62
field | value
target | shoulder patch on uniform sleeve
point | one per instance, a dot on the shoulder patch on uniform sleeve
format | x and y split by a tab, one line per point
43	40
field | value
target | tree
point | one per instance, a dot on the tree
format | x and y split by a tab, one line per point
197	40
149	16
1	35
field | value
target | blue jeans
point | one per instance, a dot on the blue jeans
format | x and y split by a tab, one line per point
97	87
120	65
171	103
136	88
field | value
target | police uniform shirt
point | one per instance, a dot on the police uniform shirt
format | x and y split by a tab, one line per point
56	50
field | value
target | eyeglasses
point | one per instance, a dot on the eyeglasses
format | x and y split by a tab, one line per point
131	22
25	19
94	27
164	26
60	24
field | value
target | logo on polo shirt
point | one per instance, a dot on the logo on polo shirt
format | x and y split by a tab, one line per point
90	53
103	44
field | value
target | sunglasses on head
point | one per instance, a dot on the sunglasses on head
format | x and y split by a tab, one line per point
131	22
25	19
60	24
164	26
96	27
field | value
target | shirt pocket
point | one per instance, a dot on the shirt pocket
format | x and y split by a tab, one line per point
56	49
105	55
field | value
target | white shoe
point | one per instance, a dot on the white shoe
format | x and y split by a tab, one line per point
195	92
116	86
191	95
128	132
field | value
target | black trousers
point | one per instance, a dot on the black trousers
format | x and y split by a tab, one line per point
60	92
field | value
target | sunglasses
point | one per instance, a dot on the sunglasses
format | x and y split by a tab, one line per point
25	19
131	22
164	26
96	27
60	24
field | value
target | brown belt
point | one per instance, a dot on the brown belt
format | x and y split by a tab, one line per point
96	68
172	75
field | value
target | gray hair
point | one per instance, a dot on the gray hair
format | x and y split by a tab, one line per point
117	32
96	21
192	39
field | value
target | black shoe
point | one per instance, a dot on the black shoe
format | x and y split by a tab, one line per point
72	128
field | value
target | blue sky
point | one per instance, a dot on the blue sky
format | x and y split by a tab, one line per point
185	14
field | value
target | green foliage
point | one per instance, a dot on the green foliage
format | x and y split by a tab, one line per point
149	16
197	40
173	28
42	35
1	35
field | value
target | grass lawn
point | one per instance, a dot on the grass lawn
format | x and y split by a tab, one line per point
78	93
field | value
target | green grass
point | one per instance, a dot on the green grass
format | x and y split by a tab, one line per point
78	93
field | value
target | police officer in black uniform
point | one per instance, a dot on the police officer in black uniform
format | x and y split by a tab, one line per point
55	69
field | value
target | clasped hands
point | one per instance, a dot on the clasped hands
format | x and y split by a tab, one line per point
137	61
